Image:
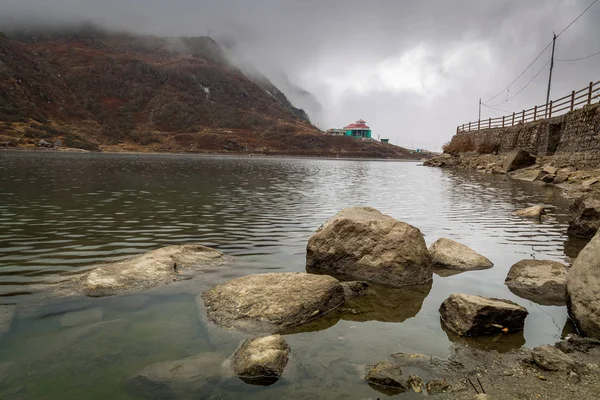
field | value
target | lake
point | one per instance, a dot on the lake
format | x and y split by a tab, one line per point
62	212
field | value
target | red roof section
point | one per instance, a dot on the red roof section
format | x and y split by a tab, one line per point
360	124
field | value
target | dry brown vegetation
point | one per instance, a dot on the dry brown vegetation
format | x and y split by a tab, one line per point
93	89
459	144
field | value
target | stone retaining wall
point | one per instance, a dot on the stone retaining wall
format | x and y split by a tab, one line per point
574	137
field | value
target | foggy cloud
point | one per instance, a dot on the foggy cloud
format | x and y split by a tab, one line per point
413	70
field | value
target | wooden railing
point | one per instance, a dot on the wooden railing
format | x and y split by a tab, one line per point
576	99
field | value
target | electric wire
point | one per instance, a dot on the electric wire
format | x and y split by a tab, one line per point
539	55
579	58
523	88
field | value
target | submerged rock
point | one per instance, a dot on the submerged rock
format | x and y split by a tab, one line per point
584	216
386	373
157	267
469	315
437	386
270	302
7	313
583	295
75	318
450	254
355	288
363	243
541	281
534	212
518	159
550	358
264	357
179	379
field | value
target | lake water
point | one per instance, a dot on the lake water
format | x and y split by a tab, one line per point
60	213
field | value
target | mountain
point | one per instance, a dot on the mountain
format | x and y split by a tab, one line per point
100	90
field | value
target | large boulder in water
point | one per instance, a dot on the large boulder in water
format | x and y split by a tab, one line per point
155	268
584	216
363	243
469	315
518	159
583	289
450	254
540	281
270	302
261	359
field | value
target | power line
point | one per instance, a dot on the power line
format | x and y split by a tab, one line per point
539	55
497	109
522	73
524	87
579	16
580	58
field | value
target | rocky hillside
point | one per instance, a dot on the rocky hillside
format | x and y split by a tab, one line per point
98	90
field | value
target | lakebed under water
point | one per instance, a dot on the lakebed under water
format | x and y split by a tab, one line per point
62	212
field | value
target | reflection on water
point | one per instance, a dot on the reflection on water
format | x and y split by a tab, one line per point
61	213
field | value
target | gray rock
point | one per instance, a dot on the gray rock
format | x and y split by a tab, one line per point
158	267
362	243
81	317
386	373
534	212
560	178
450	254
179	379
264	357
355	288
549	169
518	159
270	302
469	315
437	386
584	216
540	281
583	297
7	313
550	358
590	181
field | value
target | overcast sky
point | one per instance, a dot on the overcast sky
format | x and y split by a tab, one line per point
414	70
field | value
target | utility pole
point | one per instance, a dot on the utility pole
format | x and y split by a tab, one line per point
550	77
479	118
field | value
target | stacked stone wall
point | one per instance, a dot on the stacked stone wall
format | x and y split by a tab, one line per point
573	137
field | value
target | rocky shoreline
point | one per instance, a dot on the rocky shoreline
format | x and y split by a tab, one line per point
347	257
581	186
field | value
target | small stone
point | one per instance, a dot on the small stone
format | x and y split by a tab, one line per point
437	386
541	281
469	315
589	182
415	383
354	289
550	358
535	212
385	373
450	254
482	396
550	170
560	178
261	357
573	378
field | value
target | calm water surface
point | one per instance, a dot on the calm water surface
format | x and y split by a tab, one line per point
60	213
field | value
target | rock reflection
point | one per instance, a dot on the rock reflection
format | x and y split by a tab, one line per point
501	343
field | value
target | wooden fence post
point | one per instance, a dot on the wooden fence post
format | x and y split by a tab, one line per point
490	123
590	93
469	127
550	110
513	120
503	121
534	113
572	100
523	120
